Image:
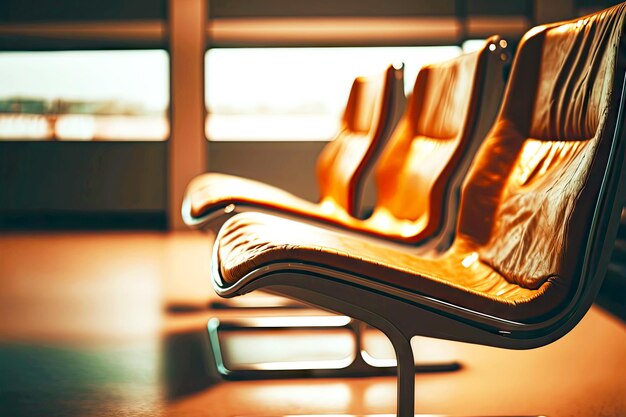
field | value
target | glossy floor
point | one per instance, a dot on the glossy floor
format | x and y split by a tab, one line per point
114	324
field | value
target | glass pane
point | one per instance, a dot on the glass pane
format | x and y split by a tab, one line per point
84	95
472	45
294	93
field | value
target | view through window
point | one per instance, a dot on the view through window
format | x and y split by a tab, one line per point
294	93
84	95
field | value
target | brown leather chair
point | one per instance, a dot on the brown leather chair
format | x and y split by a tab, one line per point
452	106
418	174
367	122
539	214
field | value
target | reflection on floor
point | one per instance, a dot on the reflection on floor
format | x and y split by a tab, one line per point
87	329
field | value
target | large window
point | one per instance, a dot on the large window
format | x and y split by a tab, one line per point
294	93
84	95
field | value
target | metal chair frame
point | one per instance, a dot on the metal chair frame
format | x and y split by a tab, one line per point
402	314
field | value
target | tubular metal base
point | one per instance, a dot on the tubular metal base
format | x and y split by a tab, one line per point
393	415
256	301
359	364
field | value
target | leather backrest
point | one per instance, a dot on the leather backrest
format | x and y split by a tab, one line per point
344	161
414	172
529	198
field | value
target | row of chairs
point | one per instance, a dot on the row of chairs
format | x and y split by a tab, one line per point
514	262
451	108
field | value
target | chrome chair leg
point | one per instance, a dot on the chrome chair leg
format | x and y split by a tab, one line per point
359	364
311	289
400	340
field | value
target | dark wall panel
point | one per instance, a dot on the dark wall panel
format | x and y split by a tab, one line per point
102	177
60	42
596	4
329	8
19	11
288	165
499	7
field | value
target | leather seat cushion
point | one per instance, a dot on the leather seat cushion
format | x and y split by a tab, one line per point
210	192
214	190
251	240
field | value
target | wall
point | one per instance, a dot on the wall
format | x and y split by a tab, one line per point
288	165
61	179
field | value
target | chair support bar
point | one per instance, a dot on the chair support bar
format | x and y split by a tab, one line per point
369	311
358	365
